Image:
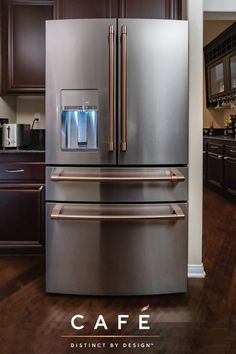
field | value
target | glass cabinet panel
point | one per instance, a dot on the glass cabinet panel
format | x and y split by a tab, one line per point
233	71
217	84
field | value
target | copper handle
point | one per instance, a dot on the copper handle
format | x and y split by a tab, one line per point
57	214
111	88
169	176
123	88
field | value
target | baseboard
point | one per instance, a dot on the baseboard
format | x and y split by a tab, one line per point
196	271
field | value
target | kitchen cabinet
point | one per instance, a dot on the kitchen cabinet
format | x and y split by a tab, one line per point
215	169
230	169
217	79
204	160
230	175
219	165
22	189
232	71
23	46
169	9
220	67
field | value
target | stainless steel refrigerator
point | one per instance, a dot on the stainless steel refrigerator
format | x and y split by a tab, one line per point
116	156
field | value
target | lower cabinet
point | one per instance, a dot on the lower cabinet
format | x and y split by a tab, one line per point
22	195
219	165
22	217
215	167
204	165
230	175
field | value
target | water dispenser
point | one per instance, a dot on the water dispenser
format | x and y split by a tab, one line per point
79	123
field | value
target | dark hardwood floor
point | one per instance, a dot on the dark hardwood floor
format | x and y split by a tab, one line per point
202	321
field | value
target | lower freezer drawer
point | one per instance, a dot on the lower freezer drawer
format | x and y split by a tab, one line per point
116	249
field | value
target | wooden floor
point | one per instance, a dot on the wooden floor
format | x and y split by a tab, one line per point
203	321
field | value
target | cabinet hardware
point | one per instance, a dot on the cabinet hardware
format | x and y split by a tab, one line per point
14	170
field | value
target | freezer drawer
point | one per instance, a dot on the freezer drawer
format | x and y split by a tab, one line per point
122	249
116	184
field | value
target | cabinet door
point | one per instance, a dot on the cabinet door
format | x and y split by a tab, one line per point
87	9
25	45
215	169
230	175
216	79
232	71
204	165
22	217
169	9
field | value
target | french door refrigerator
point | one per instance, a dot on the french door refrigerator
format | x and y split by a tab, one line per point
116	156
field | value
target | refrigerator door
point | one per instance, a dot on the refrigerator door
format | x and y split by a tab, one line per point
80	91
116	249
153	87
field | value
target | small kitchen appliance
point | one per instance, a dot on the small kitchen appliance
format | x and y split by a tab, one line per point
15	135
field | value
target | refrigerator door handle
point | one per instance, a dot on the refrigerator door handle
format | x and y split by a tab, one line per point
111	88
123	88
168	176
175	214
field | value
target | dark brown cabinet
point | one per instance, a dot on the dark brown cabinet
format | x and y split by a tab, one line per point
22	189
230	175
220	62
161	9
219	165
69	9
23	67
215	169
23	32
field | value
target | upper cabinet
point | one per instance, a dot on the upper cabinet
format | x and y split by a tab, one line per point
23	48
220	62
69	9
232	70
161	9
217	78
23	32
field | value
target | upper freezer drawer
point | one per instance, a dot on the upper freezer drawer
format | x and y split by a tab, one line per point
116	184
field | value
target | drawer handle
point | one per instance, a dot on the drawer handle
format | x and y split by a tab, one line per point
214	147
172	176
12	170
234	151
57	214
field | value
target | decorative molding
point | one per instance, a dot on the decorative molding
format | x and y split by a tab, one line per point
196	271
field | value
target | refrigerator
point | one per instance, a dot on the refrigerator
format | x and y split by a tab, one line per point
116	156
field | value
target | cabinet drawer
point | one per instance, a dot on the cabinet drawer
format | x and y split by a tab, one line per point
216	148
230	150
22	171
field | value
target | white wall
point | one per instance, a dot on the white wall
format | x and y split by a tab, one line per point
195	17
27	106
219	5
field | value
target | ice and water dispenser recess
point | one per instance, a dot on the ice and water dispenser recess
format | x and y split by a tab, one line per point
79	119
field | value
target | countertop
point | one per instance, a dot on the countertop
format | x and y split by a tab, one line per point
20	151
219	137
